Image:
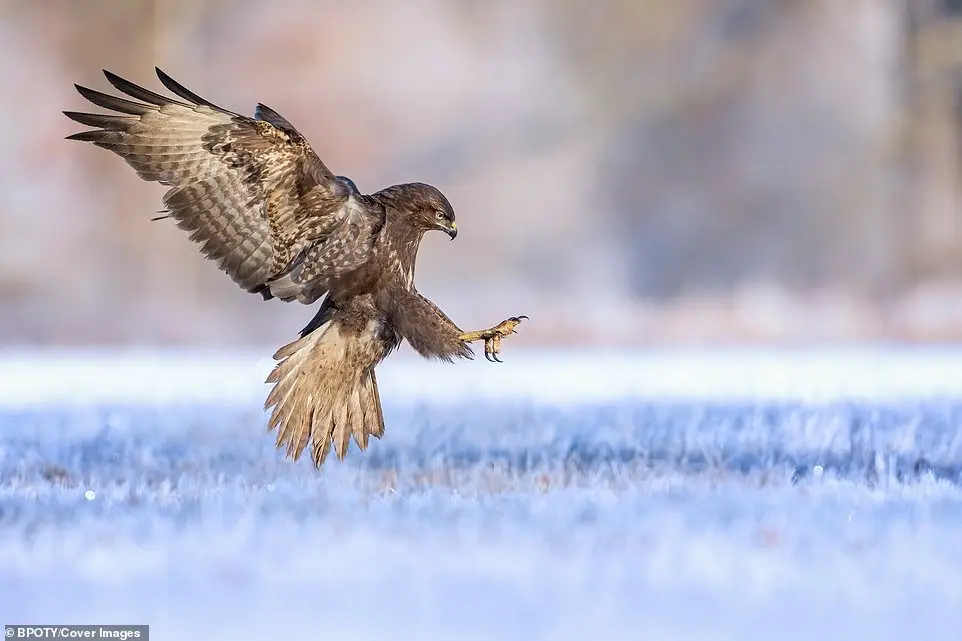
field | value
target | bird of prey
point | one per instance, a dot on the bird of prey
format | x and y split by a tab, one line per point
262	205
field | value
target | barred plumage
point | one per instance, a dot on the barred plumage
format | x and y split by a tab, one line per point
260	203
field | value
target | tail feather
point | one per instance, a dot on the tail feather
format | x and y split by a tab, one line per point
355	418
324	392
371	403
322	445
341	430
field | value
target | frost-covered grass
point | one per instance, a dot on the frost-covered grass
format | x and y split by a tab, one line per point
662	495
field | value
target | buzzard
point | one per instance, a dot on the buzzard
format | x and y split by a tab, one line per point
262	205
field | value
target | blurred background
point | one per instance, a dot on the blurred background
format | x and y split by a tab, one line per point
627	172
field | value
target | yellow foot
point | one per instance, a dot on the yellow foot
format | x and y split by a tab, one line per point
492	337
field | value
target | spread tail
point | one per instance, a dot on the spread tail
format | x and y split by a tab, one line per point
324	392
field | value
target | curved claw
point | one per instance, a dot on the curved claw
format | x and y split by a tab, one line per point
495	358
488	356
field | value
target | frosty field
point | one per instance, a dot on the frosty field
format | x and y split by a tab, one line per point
657	495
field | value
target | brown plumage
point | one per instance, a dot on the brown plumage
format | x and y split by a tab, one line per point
263	206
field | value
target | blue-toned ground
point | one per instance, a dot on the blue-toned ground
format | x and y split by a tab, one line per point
663	495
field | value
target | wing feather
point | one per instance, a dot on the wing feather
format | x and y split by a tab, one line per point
250	191
112	102
138	92
263	112
183	91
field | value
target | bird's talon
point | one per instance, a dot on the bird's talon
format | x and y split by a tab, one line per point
492	337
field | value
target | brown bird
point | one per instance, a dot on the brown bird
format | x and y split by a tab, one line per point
263	206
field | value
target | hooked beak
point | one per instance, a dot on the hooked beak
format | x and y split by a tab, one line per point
452	231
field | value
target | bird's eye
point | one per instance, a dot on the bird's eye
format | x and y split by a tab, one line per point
439	215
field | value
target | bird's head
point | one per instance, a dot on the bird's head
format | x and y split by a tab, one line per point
427	208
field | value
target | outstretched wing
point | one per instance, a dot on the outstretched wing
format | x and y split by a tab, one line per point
251	191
